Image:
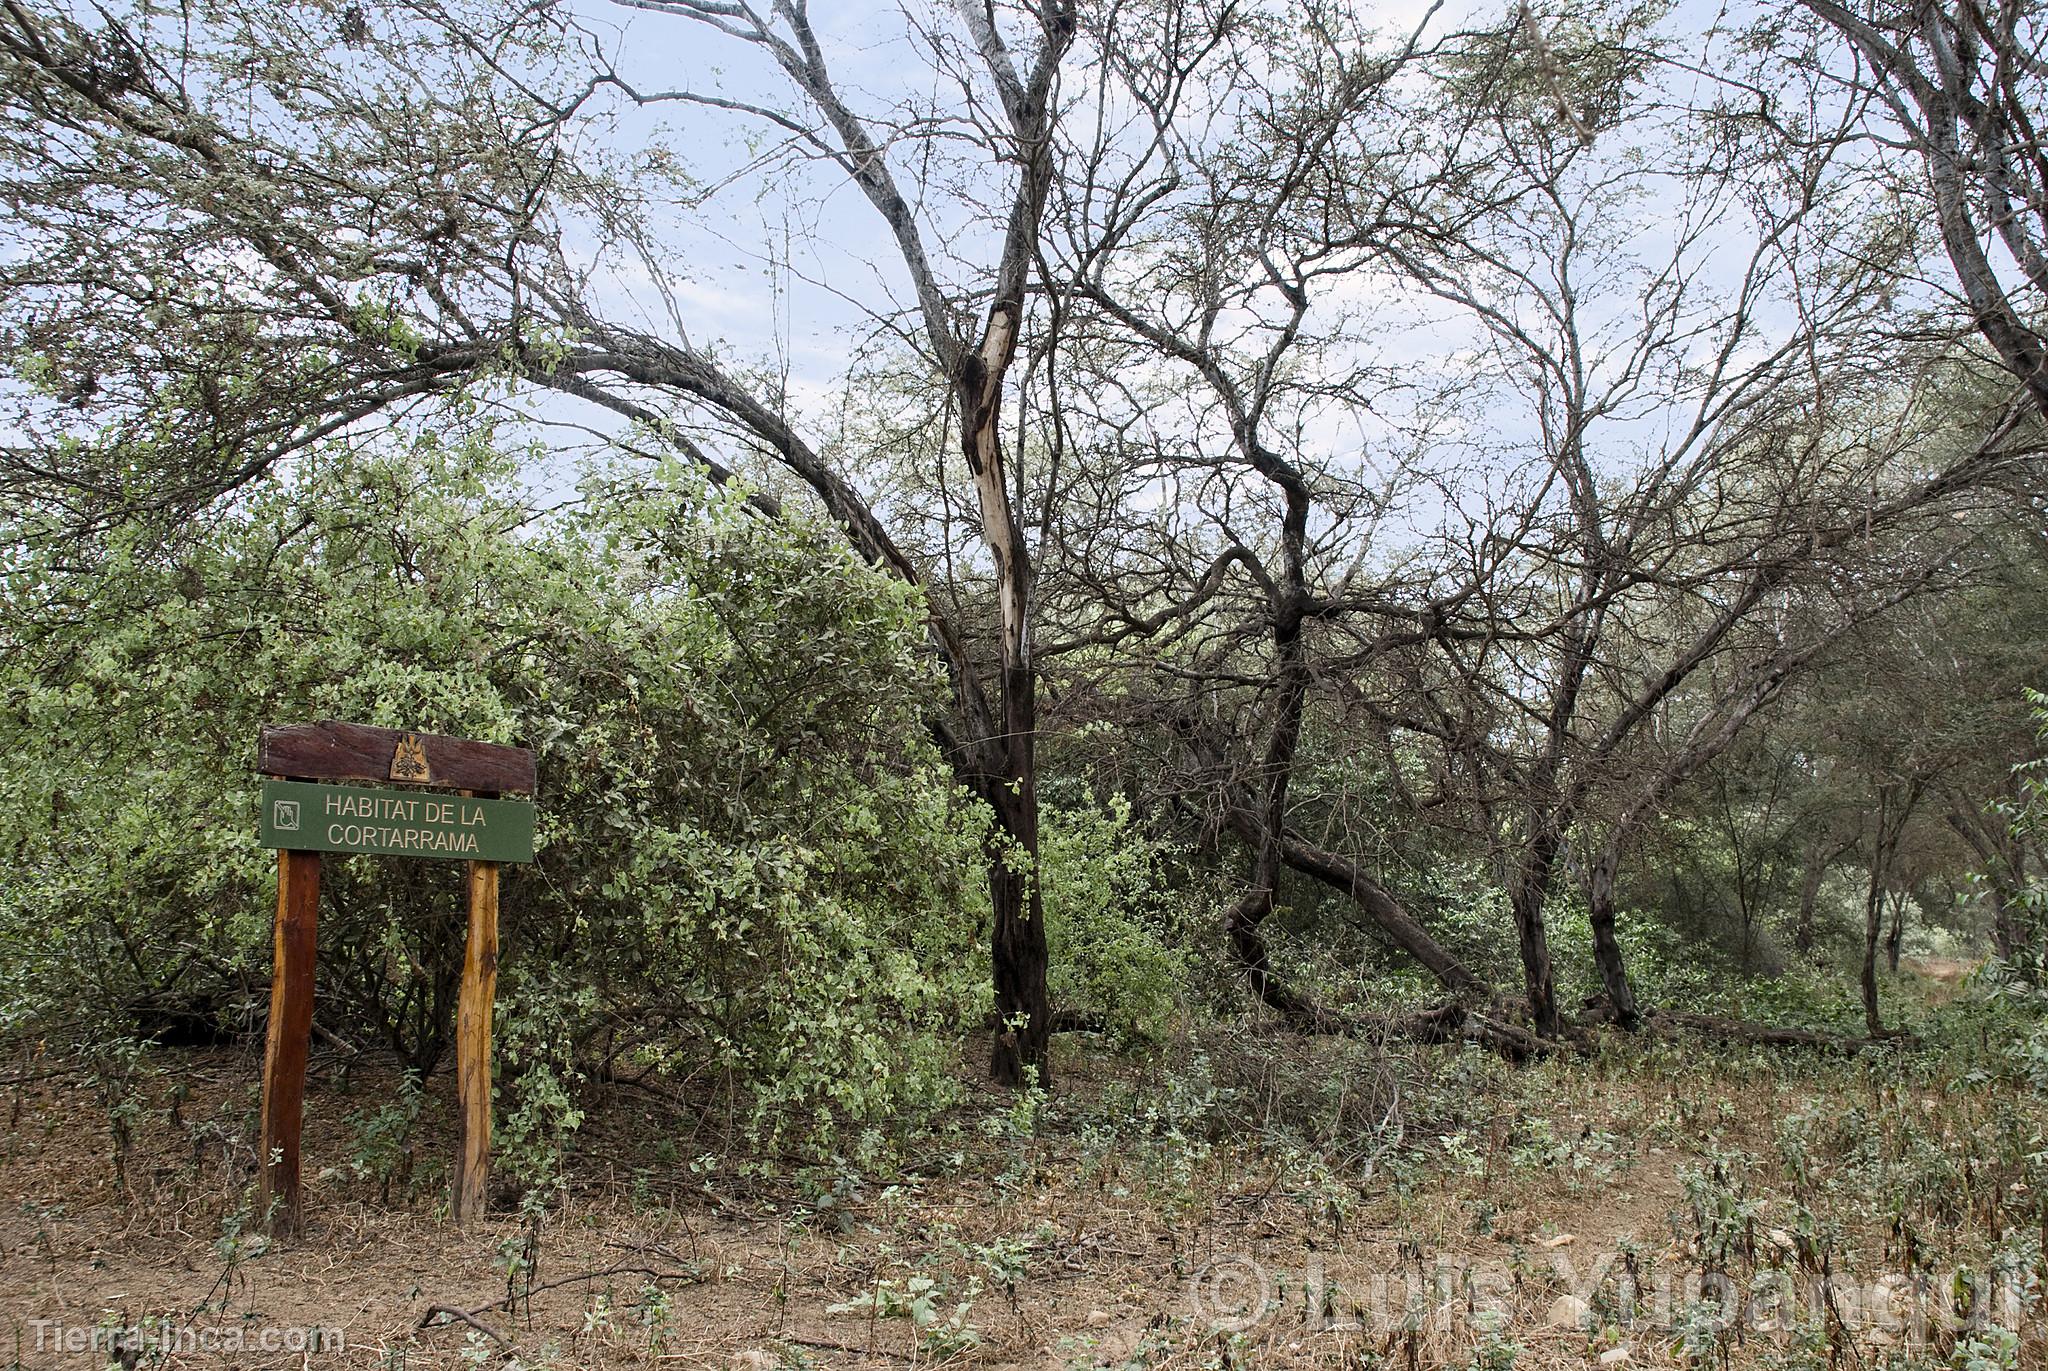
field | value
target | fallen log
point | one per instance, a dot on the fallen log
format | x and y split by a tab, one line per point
1510	1039
1378	903
1383	909
1742	1031
1448	1021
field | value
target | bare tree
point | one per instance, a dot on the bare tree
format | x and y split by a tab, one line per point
1964	86
1678	464
1207	342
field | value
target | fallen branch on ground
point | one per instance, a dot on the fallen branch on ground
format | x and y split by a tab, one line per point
1738	1030
1449	1021
680	1269
455	1316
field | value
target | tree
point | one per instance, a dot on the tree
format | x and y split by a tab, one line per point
380	284
997	751
1922	715
1207	342
1963	86
1663	484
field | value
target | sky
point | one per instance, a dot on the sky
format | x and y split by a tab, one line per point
783	263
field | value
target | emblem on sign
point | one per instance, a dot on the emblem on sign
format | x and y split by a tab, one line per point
285	816
409	763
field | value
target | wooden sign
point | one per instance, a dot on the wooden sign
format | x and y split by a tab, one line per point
395	823
330	751
302	820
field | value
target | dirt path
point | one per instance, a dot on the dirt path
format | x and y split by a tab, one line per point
1065	1262
1052	1251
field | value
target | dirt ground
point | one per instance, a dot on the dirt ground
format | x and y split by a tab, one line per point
1050	1252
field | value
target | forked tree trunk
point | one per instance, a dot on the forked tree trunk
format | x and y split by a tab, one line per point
1017	947
1893	812
1289	607
1959	85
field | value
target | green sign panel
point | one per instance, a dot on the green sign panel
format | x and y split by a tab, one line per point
397	823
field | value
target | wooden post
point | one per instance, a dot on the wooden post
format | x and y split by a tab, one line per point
473	1043
290	1031
296	761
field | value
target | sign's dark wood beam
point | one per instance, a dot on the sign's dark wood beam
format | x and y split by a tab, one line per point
331	751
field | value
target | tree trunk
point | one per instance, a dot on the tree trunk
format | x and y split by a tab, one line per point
1744	910
1528	893
1017	950
1017	947
1951	117
1537	974
1893	813
1873	908
2003	859
1288	602
1607	954
2018	346
1814	870
1896	938
2002	939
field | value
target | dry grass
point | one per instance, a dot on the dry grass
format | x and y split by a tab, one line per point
1130	1225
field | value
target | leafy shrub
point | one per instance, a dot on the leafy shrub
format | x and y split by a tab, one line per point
751	858
2029	819
1470	914
1111	914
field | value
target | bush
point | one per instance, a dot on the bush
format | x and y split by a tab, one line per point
1111	916
750	853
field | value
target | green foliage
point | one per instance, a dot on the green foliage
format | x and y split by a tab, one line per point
1664	966
384	1137
2028	817
753	866
537	1056
1496	1350
1112	917
939	1314
1798	998
1470	914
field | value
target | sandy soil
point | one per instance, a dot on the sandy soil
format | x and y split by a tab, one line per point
656	1264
